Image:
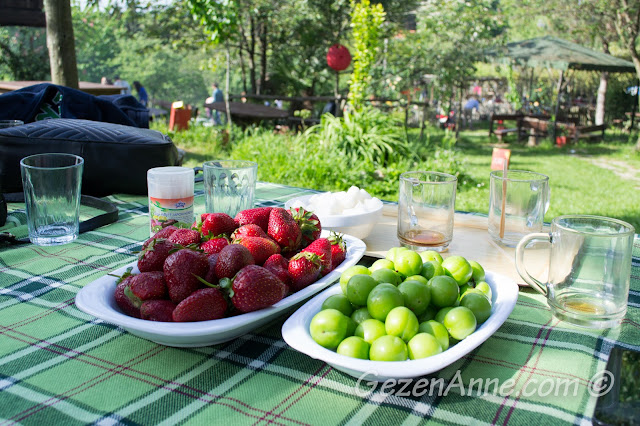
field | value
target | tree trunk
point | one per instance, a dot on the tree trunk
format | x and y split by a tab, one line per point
60	43
252	57
602	96
264	45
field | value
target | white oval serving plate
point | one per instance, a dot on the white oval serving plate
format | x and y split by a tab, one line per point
295	332
97	299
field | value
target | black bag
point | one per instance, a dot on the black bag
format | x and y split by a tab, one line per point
116	157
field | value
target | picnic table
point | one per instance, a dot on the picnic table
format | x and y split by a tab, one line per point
247	112
60	365
86	86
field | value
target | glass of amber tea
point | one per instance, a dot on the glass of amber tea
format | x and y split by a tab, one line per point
426	207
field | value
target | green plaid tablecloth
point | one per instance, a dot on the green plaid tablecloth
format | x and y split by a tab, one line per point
59	365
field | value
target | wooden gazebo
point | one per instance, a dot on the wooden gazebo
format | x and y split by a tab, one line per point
27	13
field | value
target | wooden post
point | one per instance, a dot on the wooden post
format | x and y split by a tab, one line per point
560	82
635	105
61	44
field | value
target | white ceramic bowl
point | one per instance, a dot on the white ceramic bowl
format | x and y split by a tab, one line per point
97	299
358	225
295	332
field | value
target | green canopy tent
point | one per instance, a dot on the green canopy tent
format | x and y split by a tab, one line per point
551	52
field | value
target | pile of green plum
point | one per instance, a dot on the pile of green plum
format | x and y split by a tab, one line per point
408	305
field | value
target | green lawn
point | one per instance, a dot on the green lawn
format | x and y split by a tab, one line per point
577	185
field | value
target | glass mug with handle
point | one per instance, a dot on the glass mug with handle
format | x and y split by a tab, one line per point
589	269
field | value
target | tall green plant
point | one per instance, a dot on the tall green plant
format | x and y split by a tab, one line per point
366	22
364	135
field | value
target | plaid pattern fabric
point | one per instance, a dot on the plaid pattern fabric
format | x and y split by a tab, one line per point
59	365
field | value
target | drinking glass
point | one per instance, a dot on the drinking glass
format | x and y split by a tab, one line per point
589	269
524	196
426	205
52	184
230	185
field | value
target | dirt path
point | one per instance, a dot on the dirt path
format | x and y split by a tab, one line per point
619	167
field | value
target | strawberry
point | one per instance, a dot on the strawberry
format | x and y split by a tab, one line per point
185	237
181	270
153	254
338	249
253	288
122	300
146	286
321	247
284	229
258	216
248	230
217	224
164	232
203	305
157	310
211	273
215	244
231	259
260	248
279	266
308	223
304	268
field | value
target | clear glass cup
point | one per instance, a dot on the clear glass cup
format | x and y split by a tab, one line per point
589	269
229	185
525	197
426	207
52	184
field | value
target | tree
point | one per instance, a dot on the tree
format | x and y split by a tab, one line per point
60	42
366	22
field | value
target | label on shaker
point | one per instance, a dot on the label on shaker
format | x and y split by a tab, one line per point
165	209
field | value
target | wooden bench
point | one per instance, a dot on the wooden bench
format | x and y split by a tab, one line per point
587	132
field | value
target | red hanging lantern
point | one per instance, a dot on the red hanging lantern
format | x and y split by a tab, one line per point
338	57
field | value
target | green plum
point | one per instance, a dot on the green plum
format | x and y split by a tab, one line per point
349	272
478	303
484	287
360	315
431	269
460	322
387	276
401	322
393	252
431	255
416	295
370	330
358	288
423	345
388	348
441	313
408	263
444	291
351	327
417	278
382	264
328	328
477	271
339	302
382	300
457	267
354	347
437	330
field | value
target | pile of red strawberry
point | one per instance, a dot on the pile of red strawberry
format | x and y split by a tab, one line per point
224	266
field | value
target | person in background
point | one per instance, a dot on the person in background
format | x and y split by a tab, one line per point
471	104
105	81
143	97
126	87
217	96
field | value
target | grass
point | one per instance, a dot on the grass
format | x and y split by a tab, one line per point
577	185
